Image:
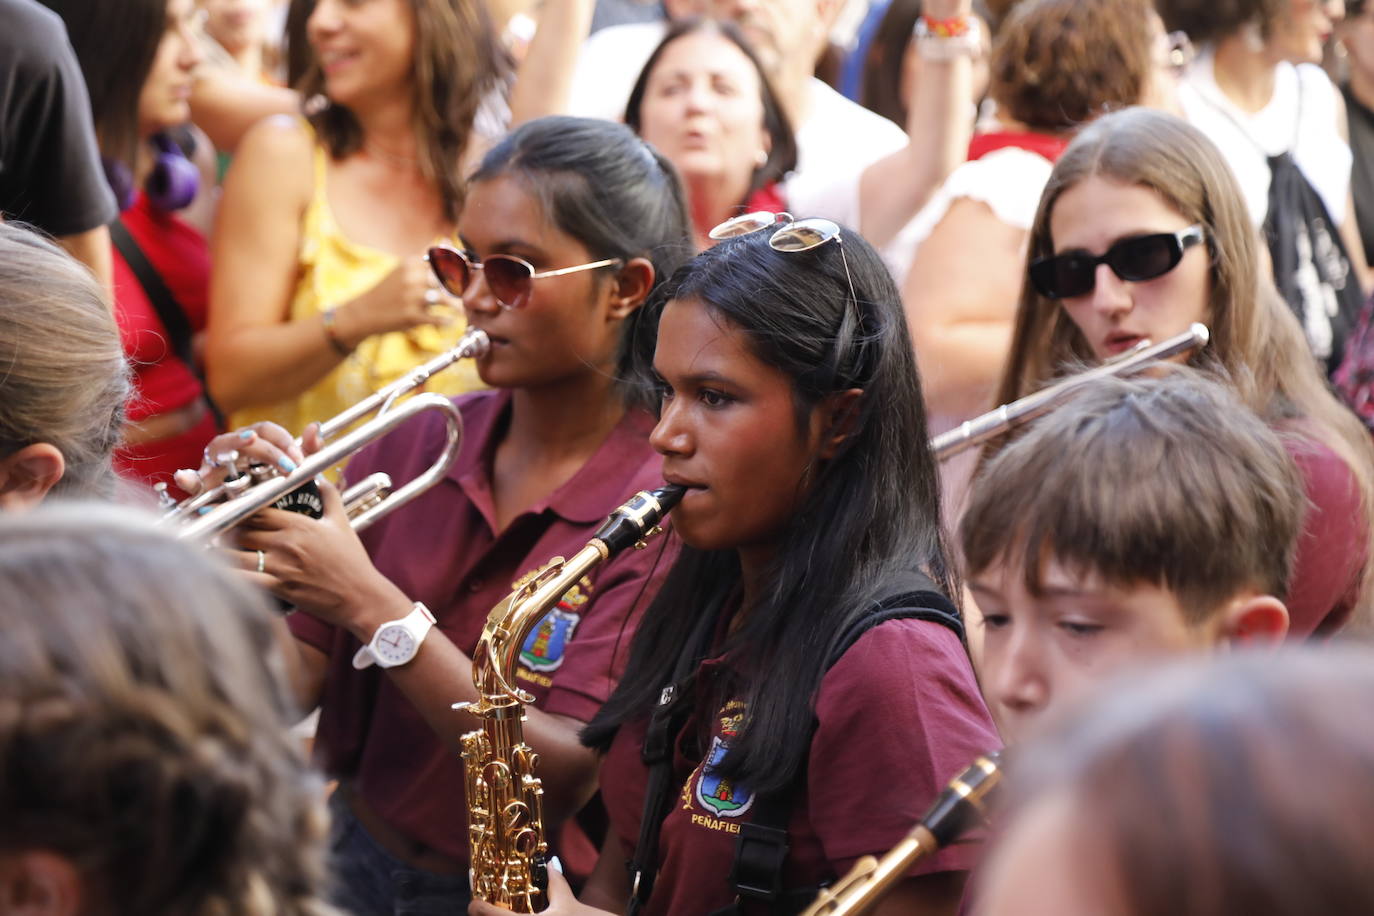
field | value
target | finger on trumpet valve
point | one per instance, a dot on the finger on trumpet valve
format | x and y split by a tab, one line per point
164	499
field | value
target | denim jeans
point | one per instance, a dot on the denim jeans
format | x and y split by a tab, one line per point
369	881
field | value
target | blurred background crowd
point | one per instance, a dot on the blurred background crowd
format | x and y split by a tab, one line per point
256	181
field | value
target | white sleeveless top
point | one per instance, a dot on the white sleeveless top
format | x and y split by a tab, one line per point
1300	119
1010	180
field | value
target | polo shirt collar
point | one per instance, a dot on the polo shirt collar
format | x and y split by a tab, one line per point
600	484
604	482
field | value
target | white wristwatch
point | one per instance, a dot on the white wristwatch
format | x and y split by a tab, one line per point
396	641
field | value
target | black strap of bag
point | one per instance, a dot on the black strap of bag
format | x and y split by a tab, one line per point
761	847
667	719
762	844
1311	267
172	316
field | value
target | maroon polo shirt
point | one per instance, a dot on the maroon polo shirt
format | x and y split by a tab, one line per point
443	549
1325	584
898	716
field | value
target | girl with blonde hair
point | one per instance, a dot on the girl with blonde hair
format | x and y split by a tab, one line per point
1141	231
62	395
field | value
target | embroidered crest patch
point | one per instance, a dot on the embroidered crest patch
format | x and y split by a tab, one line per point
544	647
543	650
715	793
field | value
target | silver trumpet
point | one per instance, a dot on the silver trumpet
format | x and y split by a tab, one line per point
214	511
1009	416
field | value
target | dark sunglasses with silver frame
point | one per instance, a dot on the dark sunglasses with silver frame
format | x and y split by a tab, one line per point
509	278
1135	260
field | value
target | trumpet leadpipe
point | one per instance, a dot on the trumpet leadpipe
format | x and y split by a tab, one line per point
474	344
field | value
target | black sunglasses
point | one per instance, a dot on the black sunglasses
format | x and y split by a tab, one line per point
1136	259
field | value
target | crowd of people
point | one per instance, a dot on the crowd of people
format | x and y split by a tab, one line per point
762	251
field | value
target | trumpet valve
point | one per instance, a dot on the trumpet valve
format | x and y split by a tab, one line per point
164	499
372	491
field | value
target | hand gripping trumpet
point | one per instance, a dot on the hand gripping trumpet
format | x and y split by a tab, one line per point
235	500
505	798
995	422
961	806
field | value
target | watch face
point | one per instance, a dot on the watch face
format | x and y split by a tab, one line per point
395	645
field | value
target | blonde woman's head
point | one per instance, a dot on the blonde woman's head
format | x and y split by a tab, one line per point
63	377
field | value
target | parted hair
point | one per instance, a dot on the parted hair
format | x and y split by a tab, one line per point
1057	64
458	65
144	723
1227	786
1167	481
782	151
63	376
869	515
602	185
1256	342
1216	19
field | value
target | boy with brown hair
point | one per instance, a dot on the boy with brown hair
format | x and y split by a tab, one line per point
1146	518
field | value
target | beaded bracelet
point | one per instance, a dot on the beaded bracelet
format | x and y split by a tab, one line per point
946	28
331	334
948	39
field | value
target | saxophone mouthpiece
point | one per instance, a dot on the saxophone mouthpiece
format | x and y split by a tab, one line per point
668	495
965	801
638	518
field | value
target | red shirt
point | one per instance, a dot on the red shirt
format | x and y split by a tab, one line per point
1333	544
162	382
898	716
1046	145
443	549
179	254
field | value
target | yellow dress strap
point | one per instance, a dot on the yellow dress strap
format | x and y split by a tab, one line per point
334	269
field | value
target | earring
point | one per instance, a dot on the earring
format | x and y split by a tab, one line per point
1253	36
761	158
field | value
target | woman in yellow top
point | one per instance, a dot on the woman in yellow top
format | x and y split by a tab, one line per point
319	294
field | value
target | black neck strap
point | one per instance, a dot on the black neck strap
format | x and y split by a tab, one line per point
762	844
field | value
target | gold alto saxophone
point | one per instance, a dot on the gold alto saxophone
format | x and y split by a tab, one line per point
961	806
508	848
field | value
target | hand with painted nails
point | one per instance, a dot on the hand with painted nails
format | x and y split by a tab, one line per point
562	901
318	565
262	443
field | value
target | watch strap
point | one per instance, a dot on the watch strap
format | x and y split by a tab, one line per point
419	622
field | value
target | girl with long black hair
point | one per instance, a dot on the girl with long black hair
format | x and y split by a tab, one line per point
791	408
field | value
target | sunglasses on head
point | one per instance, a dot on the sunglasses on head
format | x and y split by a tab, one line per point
1137	259
793	235
509	278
